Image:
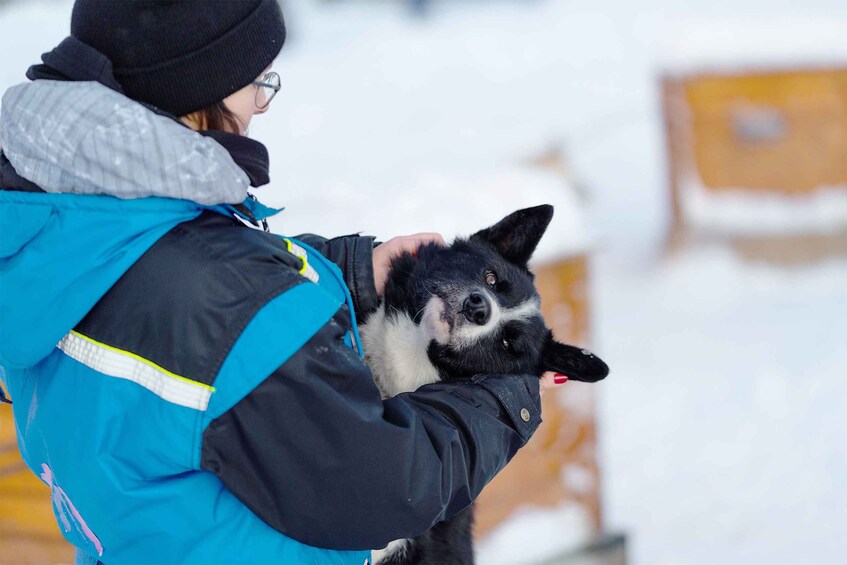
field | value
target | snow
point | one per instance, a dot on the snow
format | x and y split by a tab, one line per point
723	421
26	31
766	42
534	535
724	426
736	211
452	203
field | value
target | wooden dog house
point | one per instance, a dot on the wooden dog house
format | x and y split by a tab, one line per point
559	465
757	147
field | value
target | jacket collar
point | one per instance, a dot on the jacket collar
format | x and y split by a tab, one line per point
76	62
249	154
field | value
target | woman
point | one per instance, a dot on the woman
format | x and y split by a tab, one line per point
206	401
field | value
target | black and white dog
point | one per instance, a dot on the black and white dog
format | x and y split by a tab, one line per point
457	311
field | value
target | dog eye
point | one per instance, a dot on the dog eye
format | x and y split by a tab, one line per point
490	279
507	345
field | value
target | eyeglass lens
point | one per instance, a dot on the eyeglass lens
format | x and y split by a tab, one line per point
268	88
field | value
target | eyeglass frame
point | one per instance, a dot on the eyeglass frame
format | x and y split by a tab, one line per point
262	84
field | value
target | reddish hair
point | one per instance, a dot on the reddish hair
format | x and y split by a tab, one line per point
215	117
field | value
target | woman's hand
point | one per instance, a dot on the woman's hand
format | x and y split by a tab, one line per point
550	380
394	247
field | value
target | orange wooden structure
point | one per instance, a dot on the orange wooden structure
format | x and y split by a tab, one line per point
28	531
759	133
559	465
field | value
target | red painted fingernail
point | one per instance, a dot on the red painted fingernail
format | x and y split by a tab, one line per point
559	379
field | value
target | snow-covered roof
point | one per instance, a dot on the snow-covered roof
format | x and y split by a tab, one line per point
753	43
755	212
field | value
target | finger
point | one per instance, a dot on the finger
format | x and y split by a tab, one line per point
433	237
550	380
411	243
546	382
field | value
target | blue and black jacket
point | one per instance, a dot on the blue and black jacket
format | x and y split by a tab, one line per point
192	389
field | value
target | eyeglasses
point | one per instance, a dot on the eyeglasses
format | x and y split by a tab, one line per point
266	89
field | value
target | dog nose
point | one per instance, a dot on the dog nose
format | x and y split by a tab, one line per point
477	309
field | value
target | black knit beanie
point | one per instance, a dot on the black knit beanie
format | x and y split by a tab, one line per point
182	55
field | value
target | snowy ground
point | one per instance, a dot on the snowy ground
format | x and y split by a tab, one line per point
724	420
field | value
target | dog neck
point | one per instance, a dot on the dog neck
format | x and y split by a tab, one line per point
396	351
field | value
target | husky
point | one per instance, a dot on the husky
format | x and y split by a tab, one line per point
449	313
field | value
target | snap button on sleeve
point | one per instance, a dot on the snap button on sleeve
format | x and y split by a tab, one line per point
524	414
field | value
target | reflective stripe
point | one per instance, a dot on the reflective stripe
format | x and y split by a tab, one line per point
306	270
126	365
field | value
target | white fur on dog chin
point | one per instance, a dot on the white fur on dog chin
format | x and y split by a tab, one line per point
396	347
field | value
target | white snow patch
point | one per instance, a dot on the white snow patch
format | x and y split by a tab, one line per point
28	29
724	415
533	535
578	479
758	41
739	211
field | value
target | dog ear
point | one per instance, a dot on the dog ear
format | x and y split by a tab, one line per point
517	235
578	364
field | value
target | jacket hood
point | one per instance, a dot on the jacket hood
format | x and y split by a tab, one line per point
60	253
84	138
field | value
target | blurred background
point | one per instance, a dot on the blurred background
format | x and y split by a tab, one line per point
696	153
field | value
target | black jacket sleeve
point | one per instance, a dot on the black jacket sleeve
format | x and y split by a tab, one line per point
319	456
354	256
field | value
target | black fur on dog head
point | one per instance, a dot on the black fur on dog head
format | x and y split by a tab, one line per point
478	306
